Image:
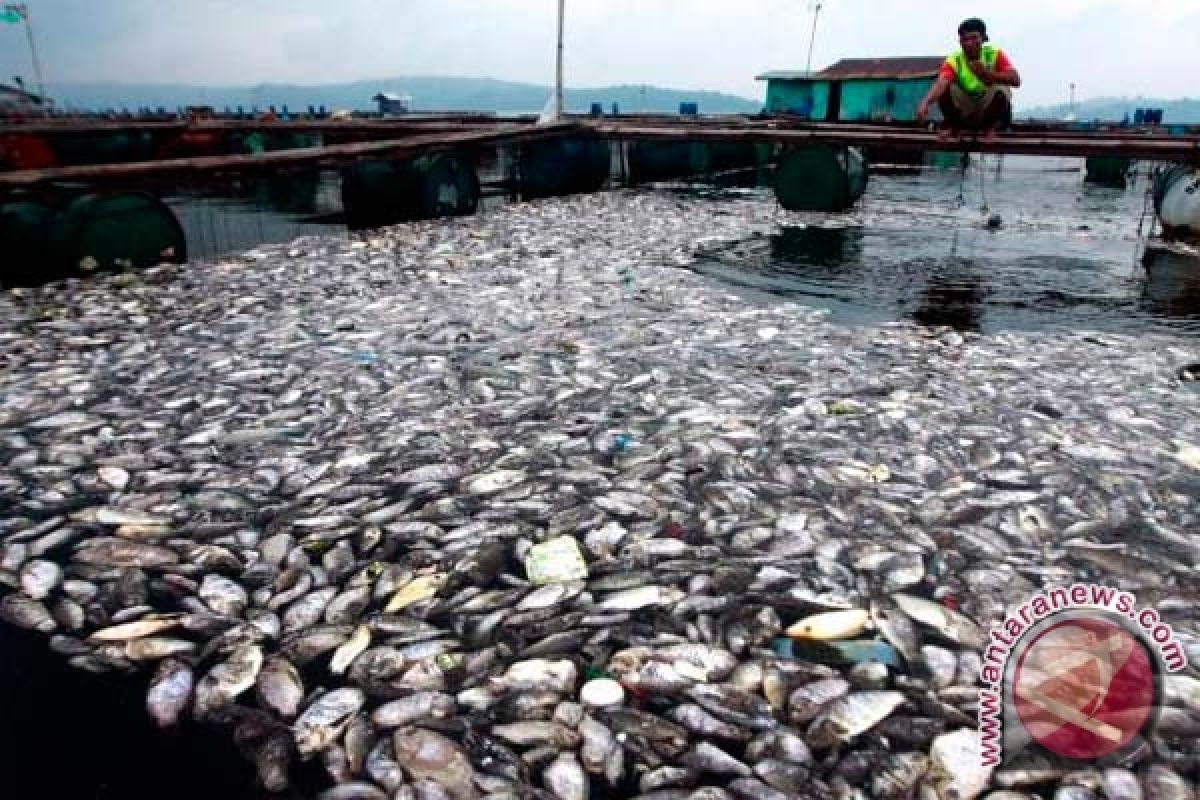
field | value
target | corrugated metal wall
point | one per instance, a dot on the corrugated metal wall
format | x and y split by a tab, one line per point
794	96
883	100
862	100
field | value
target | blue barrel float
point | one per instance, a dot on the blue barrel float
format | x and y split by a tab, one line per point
569	165
379	193
91	233
820	178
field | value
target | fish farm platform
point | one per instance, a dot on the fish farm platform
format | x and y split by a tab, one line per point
1083	144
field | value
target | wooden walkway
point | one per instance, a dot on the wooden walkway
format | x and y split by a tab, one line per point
1185	149
1120	144
335	155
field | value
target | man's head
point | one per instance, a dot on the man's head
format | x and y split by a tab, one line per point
971	35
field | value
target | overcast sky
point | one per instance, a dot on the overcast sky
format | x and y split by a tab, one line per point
1108	47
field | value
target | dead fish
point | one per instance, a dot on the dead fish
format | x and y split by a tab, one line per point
709	758
322	723
807	702
494	482
156	648
279	687
641	598
147	626
170	692
114	477
951	624
532	733
431	756
419	706
123	553
957	767
39	578
223	595
25	612
831	625
566	779
432	473
854	714
354	790
227	680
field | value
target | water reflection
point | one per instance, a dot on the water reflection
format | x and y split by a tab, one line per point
920	249
956	304
804	247
1172	286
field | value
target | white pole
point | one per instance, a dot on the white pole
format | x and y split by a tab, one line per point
813	41
558	84
23	10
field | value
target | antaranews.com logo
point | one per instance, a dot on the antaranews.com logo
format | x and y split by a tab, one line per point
1077	671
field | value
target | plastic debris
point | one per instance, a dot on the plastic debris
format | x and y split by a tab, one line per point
556	561
602	693
844	408
859	651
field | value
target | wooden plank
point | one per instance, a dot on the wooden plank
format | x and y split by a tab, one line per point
309	156
1162	149
42	128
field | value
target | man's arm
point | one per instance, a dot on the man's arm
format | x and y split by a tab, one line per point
940	87
1004	74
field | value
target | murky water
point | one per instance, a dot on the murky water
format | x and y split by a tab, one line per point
1065	255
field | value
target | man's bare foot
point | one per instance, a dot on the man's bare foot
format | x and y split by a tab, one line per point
948	135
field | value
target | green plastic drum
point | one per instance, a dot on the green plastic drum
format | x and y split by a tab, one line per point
564	166
23	233
820	178
102	232
379	193
1108	171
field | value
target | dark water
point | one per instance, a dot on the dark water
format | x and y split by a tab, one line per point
70	734
1066	256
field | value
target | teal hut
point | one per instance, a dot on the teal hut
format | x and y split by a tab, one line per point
854	90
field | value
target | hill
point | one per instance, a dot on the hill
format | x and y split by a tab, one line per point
1183	111
429	93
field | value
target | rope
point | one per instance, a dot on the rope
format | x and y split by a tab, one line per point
983	183
1139	248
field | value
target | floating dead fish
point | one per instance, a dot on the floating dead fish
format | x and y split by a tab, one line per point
831	625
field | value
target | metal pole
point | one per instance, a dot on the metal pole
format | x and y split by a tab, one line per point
23	10
558	85
813	41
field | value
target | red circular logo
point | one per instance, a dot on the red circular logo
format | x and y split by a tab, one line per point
1084	687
